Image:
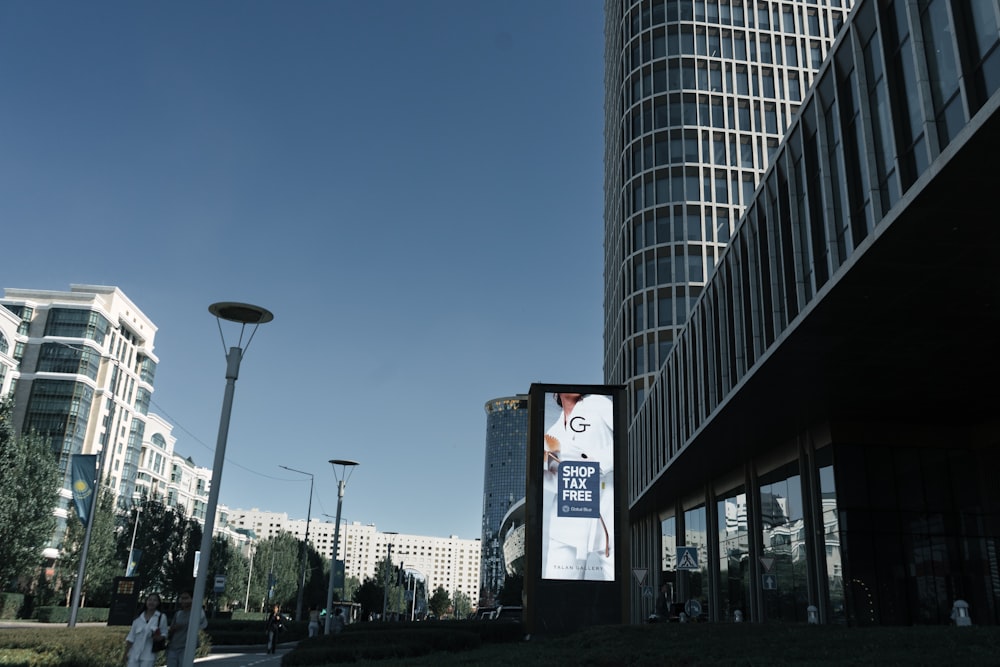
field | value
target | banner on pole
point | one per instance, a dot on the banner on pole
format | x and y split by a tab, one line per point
83	469
133	562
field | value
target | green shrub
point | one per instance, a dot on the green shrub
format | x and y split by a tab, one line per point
10	605
382	642
78	647
251	631
61	614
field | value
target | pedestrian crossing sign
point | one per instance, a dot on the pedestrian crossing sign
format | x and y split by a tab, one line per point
687	558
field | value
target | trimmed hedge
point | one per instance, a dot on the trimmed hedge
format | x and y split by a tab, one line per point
250	632
395	642
10	605
79	647
61	614
380	643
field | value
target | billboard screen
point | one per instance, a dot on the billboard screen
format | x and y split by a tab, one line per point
575	520
578	501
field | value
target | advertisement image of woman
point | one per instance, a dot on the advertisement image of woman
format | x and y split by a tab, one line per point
580	431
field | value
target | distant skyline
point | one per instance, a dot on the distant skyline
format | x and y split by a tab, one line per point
414	189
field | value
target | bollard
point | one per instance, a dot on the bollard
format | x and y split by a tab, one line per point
737	616
812	614
960	613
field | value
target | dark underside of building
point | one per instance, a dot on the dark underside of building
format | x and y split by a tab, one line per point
890	382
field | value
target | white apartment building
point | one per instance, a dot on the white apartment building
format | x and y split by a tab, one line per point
9	323
80	366
450	562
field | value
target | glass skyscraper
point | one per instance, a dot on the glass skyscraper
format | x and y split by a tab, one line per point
698	94
503	483
799	447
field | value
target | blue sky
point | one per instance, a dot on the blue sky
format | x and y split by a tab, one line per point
413	188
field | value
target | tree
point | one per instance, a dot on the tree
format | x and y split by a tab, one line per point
165	537
463	605
103	565
439	602
369	596
29	488
351	585
276	562
228	561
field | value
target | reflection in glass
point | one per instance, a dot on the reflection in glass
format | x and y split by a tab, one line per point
831	544
696	535
734	555
668	557
784	546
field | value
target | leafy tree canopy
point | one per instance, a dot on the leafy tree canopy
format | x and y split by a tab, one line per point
103	564
439	602
29	487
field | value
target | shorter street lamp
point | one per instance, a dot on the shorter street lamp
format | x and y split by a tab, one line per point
341	483
305	542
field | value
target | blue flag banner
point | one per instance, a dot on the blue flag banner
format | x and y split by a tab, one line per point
133	561
83	469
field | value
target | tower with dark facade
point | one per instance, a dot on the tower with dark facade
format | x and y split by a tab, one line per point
503	484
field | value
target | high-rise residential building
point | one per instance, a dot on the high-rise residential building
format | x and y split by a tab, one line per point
9	366
86	377
798	438
450	562
698	94
503	484
80	368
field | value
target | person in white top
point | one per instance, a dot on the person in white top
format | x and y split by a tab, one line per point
147	625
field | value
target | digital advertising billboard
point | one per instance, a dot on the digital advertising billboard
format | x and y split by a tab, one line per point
574	540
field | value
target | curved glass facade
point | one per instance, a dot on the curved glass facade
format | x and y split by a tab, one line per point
799	453
698	96
503	483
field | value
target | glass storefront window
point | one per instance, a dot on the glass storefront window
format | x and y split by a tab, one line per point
831	538
734	555
668	557
784	560
696	535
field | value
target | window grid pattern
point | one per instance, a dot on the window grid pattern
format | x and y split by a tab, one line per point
787	247
699	96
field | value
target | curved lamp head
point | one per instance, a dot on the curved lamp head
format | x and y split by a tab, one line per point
243	313
344	462
345	465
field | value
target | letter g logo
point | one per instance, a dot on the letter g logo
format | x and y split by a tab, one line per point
578	424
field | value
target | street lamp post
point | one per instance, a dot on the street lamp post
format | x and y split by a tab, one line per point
85	547
243	314
305	543
341	482
131	549
246	602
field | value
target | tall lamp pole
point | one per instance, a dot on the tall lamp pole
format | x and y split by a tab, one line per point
246	603
305	543
341	482
243	314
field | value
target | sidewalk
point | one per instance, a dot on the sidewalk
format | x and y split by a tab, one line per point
4	625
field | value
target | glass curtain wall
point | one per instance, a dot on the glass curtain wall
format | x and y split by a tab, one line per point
836	612
696	535
784	562
734	555
668	557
